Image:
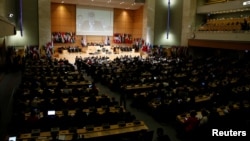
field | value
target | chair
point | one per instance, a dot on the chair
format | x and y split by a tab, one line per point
137	122
35	132
55	130
121	123
105	126
149	135
89	127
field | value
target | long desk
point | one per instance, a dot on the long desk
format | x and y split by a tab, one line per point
81	83
203	98
94	49
85	99
72	112
222	110
154	103
97	132
73	83
135	87
27	91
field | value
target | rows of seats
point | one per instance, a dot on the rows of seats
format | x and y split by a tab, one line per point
226	24
168	87
216	1
73	106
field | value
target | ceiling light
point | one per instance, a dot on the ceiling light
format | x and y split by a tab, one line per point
246	3
11	15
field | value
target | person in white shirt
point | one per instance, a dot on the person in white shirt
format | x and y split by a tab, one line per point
204	117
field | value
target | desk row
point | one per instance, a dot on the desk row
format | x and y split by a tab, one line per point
69	83
222	111
73	112
71	99
86	132
57	92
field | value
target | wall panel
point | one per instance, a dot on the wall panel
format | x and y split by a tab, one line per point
63	18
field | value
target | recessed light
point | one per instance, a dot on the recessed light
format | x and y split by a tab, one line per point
11	15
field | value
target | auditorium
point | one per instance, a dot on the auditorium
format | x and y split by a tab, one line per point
124	70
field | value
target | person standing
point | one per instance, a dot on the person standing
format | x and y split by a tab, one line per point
123	100
191	125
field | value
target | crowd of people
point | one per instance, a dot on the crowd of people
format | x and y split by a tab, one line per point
35	98
177	84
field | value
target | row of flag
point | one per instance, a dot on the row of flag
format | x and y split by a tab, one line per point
63	37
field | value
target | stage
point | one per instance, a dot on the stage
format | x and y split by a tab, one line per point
93	51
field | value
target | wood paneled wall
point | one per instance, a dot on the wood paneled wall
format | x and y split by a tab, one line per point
123	21
129	21
138	23
63	19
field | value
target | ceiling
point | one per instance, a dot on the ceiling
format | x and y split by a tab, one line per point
121	4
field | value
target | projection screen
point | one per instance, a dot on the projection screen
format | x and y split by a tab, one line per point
94	21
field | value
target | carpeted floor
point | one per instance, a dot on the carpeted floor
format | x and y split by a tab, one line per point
8	82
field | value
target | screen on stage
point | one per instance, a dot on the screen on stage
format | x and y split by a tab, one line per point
94	21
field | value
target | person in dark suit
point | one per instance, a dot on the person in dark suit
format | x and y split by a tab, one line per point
161	136
92	24
66	120
54	136
47	121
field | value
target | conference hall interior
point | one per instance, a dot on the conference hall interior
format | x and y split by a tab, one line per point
124	70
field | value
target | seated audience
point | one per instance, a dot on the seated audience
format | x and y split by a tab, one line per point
66	120
79	119
204	118
32	120
191	124
93	89
70	104
46	122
